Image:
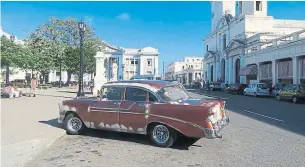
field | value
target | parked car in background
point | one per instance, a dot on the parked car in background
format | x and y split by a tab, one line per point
223	87
162	110
258	89
215	86
295	92
236	88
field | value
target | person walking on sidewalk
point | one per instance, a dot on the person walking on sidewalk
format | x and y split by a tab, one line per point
34	84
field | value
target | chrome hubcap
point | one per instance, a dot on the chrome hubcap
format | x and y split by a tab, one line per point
294	99
161	134
74	124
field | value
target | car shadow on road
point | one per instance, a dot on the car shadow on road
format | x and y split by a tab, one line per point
182	143
52	122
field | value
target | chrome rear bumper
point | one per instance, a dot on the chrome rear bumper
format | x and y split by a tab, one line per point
217	127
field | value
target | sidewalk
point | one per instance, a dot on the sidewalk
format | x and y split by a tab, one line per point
29	125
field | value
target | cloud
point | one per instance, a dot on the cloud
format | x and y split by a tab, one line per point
123	16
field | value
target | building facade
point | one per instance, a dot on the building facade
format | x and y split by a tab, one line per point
246	45
186	71
117	63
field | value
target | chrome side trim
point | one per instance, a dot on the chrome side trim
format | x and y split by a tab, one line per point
123	112
105	110
179	120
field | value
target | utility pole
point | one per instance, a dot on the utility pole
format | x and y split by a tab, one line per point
163	72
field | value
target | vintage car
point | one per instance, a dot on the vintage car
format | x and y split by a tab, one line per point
163	110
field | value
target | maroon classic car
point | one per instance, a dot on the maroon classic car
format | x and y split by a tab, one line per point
163	110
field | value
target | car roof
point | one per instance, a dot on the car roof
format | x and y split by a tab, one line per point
153	85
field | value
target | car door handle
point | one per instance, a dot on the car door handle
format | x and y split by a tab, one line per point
117	103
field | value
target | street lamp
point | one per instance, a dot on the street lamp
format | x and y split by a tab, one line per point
7	77
82	29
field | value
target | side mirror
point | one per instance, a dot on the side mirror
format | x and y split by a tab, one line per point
104	96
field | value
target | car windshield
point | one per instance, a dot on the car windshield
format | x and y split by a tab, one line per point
173	93
262	86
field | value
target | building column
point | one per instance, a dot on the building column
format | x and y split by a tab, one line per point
258	72
296	70
217	70
274	72
242	78
214	72
100	74
226	70
208	72
231	70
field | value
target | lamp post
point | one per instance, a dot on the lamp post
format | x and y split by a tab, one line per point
7	77
82	29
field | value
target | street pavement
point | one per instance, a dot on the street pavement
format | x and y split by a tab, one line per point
29	125
263	132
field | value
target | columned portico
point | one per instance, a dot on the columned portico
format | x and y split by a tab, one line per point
296	70
230	70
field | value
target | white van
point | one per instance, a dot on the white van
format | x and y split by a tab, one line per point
257	89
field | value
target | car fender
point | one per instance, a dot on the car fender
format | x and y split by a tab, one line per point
185	128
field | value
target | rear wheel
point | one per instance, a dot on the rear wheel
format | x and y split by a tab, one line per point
255	95
163	136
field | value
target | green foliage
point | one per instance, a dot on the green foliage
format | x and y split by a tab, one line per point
10	52
51	45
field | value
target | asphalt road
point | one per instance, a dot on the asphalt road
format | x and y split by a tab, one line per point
263	132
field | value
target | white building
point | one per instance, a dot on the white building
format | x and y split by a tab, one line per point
117	63
248	45
186	71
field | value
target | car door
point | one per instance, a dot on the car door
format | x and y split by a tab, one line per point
104	113
132	110
284	91
292	91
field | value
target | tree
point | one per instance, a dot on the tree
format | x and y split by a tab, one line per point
63	39
10	54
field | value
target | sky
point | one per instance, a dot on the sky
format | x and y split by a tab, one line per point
177	29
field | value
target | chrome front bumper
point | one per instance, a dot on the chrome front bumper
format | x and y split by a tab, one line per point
217	127
61	118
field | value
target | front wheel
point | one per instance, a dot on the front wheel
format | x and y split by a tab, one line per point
163	136
74	125
294	99
245	93
278	97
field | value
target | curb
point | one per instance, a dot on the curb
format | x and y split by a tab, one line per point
29	160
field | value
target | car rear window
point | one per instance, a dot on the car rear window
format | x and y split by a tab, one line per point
262	86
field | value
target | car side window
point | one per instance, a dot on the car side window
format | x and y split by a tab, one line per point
286	87
112	93
293	87
135	94
152	98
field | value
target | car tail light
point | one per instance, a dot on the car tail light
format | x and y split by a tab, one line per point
213	113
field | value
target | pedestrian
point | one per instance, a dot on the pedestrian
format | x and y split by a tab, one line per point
34	84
